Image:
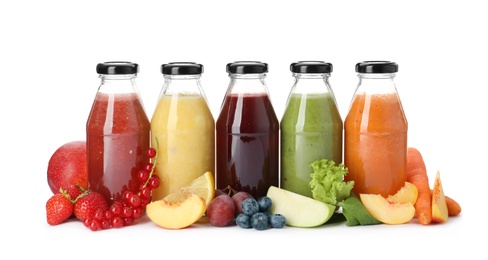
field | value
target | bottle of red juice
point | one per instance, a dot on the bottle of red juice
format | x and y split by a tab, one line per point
247	133
117	132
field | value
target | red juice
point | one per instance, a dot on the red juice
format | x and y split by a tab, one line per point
118	133
247	144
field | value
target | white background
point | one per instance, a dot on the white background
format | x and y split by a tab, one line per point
49	50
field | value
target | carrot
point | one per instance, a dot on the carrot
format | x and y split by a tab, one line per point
416	174
453	207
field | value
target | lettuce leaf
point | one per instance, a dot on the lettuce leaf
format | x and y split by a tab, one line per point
328	183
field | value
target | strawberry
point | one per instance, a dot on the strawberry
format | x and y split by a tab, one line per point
88	203
58	209
71	192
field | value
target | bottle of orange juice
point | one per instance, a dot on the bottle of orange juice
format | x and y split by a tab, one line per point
375	132
182	129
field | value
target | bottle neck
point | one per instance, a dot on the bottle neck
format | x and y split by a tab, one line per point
376	83
182	84
311	83
247	83
118	83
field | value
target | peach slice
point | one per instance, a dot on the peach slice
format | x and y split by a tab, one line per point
176	215
439	205
408	193
392	213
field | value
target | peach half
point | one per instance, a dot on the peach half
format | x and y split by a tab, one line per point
176	215
408	193
440	212
395	209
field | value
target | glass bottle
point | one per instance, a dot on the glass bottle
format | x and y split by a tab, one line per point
247	132
183	128
311	127
118	132
375	143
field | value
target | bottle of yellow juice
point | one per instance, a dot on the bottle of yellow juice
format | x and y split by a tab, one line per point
182	129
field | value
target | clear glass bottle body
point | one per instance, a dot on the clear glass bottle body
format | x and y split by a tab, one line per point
183	132
311	129
376	129
118	133
247	137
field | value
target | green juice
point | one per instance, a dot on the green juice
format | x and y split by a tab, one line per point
311	129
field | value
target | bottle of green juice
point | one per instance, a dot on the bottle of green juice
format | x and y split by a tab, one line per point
311	127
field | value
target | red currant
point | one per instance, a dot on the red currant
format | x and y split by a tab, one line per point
135	201
146	193
105	223
116	208
147	167
127	195
95	225
108	214
137	214
99	214
127	212
154	182
144	202
128	221
143	175
151	153
117	222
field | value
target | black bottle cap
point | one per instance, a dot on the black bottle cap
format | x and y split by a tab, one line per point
117	68
182	68
377	67
247	67
311	67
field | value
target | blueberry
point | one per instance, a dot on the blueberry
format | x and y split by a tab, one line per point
259	221
249	206
264	203
268	214
243	221
277	221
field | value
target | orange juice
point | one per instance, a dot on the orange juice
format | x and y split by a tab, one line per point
375	143
185	131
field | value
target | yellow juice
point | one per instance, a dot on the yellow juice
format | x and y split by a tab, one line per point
185	131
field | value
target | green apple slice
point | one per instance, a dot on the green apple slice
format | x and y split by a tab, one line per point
299	210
